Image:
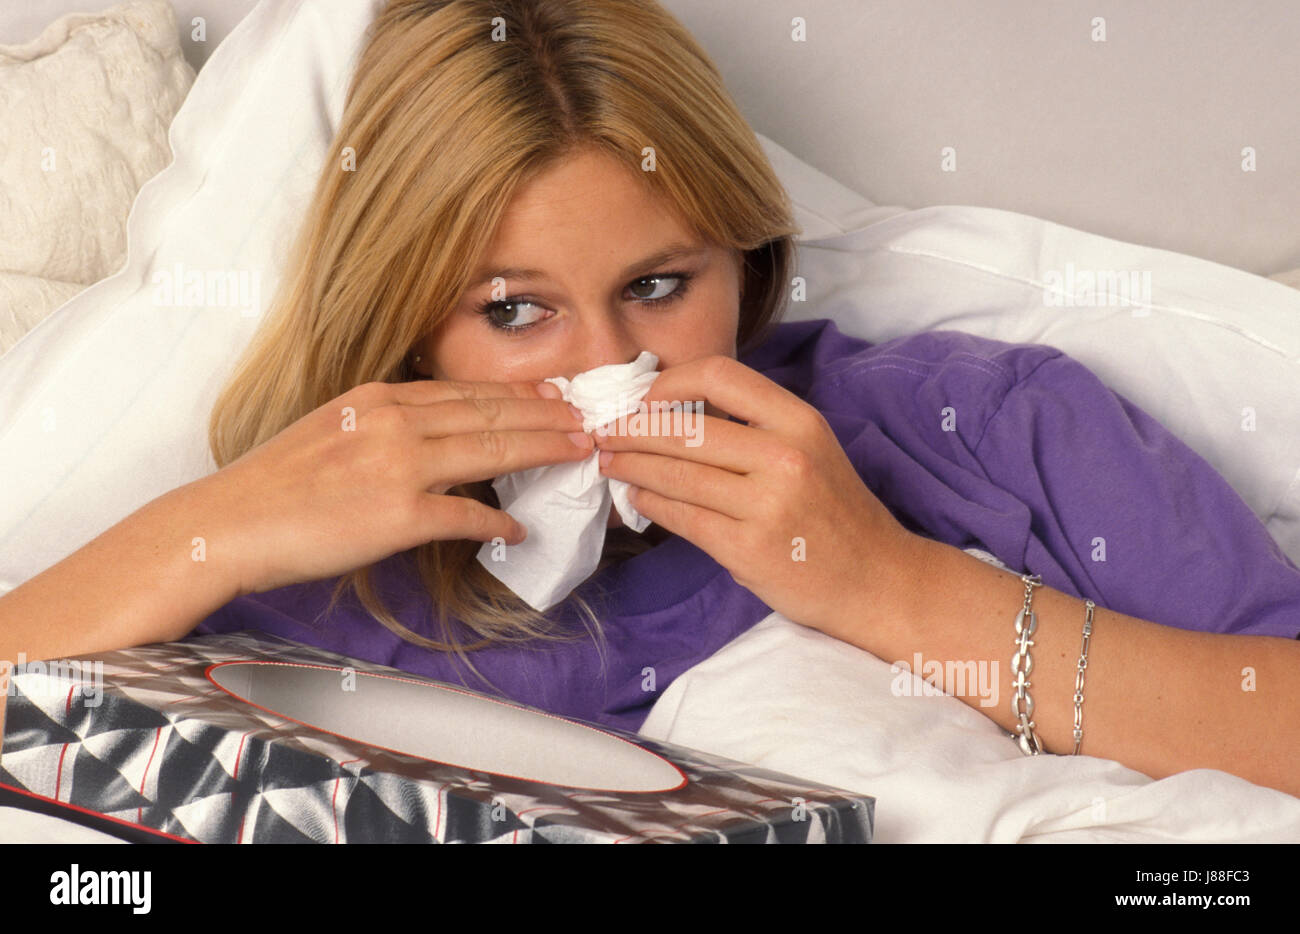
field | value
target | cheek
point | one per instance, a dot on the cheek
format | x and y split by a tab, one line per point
723	336
455	356
712	329
466	352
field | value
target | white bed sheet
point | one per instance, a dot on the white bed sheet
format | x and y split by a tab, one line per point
789	698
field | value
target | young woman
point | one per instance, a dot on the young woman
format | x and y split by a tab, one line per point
523	189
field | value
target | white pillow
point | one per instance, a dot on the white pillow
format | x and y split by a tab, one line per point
85	108
104	405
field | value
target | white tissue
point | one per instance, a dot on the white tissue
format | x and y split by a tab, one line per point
565	506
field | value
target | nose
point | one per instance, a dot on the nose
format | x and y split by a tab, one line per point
604	339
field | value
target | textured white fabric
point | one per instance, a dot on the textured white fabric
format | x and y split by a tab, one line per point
84	109
203	23
565	506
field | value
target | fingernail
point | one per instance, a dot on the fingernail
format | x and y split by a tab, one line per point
581	439
577	412
549	390
606	457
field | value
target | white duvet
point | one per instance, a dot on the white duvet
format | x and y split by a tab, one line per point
791	699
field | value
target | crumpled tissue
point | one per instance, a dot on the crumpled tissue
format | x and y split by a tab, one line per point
565	506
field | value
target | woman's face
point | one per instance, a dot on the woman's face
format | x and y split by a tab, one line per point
581	252
578	252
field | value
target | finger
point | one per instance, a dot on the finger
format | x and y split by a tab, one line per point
372	395
703	439
708	530
427	391
731	386
484	455
722	491
492	413
457	517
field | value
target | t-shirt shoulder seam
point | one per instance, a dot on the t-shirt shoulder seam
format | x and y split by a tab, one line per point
1011	389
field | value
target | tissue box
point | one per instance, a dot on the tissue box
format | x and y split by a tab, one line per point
246	737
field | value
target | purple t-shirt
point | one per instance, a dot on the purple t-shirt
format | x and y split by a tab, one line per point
1016	449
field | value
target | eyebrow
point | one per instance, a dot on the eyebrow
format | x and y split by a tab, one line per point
673	251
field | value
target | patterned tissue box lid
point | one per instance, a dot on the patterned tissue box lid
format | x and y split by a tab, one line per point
168	749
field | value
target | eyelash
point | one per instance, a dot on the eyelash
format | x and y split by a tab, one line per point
486	308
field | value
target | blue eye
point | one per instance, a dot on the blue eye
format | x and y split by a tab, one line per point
508	307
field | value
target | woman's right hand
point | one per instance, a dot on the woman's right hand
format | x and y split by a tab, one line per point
366	476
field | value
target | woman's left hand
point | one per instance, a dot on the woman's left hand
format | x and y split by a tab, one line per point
775	501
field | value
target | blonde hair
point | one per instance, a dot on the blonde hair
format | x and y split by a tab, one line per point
454	104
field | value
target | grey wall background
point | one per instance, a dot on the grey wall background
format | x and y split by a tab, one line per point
1138	137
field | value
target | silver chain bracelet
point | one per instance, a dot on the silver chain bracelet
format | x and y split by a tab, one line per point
1078	676
1022	705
